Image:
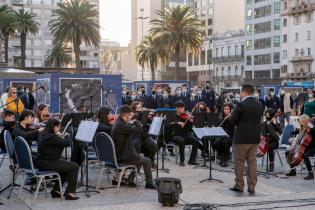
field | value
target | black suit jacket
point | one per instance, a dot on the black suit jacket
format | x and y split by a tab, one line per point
151	102
246	116
209	98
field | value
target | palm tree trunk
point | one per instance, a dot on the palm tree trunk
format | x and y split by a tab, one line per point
6	48
152	72
23	47
76	46
177	57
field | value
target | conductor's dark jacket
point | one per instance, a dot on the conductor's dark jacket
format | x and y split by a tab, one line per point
122	134
246	116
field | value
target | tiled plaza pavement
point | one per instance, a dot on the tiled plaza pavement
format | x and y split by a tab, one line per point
273	192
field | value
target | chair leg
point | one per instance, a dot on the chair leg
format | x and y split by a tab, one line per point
263	161
2	160
45	186
37	188
176	154
22	186
279	158
60	186
137	181
120	177
108	174
13	181
99	178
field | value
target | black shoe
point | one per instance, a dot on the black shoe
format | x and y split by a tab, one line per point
251	192
224	164
181	163
70	198
310	176
55	194
292	172
234	189
151	186
271	167
194	163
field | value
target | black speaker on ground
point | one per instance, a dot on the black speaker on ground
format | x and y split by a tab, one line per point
168	189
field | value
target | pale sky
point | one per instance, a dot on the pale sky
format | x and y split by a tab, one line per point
115	20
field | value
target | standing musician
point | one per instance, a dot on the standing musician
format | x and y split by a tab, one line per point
181	134
307	124
26	119
246	116
270	129
143	142
122	134
50	146
8	124
222	145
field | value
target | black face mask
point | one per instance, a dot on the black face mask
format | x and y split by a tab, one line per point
143	92
268	118
208	87
127	93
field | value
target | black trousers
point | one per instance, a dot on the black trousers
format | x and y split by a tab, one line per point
148	147
182	141
309	152
146	164
272	146
68	172
222	146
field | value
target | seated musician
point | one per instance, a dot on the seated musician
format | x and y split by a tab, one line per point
271	129
143	142
8	124
306	123
26	119
42	113
222	145
122	134
201	107
181	135
50	146
106	120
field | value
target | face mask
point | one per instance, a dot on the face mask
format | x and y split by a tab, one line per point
179	92
140	92
184	90
268	118
272	94
153	92
133	97
193	94
282	92
199	92
124	92
159	90
310	95
165	95
207	87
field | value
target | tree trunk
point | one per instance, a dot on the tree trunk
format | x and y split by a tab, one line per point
76	46
23	47
152	72
177	57
6	48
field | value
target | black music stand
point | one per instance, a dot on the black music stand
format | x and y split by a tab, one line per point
85	134
208	134
155	131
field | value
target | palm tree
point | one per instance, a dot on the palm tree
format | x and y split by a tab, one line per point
75	21
58	55
25	24
7	28
178	30
148	54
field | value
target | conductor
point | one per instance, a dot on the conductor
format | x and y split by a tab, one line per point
246	116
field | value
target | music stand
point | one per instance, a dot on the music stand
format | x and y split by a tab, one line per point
155	131
85	134
208	134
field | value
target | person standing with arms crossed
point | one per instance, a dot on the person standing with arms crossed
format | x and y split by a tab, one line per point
246	116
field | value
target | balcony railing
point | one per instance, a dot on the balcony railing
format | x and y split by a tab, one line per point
301	8
302	58
231	77
298	75
225	59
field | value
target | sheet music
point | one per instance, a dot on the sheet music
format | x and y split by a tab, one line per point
86	131
156	125
209	132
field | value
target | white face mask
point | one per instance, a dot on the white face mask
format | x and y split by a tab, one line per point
272	94
124	92
165	95
159	90
184	90
133	97
199	92
179	92
310	95
140	92
193	94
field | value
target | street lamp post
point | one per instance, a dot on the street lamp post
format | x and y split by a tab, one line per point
142	35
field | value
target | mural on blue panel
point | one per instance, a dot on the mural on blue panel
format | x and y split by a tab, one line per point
43	94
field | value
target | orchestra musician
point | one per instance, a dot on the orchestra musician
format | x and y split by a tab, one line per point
222	145
122	133
143	142
42	113
270	129
50	146
106	120
8	124
26	119
17	106
181	134
307	124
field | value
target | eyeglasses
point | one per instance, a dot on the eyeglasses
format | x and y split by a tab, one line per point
13	92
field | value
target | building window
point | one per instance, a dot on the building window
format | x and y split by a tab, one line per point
209	56
222	71
249	14
196	60
285	5
210	11
296	37
249	44
209	21
309	35
83	53
249	1
216	52
262	59
277	7
217	71
276	58
285	38
190	59
297	19
262	11
309	17
275	73
284	54
296	52
229	71
248	74
203	58
285	22
262	27
262	74
309	51
236	50
222	51
276	41
249	29
209	31
277	24
229	51
248	60
262	43
236	70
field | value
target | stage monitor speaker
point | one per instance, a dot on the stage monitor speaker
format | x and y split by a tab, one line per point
168	189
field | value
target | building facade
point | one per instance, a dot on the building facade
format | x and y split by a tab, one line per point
228	59
219	16
38	45
262	41
298	40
